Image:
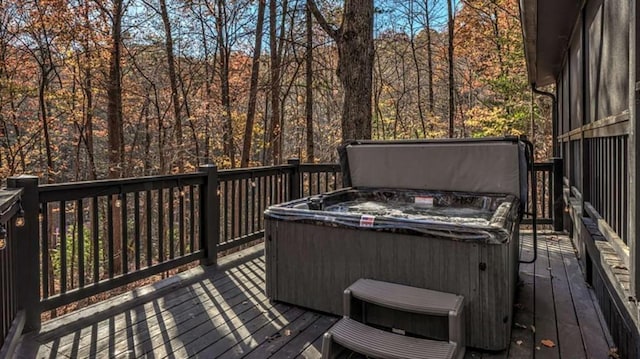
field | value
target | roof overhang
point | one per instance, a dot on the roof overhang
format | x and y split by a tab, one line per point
547	27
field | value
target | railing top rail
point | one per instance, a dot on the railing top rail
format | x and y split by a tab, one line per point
249	172
256	169
78	190
319	167
118	181
546	165
8	199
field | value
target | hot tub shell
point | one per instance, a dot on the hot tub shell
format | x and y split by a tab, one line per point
313	255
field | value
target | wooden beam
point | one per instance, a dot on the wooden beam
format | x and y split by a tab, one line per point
634	148
616	125
608	233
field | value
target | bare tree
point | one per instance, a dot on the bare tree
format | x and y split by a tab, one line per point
275	127
224	50
354	39
253	89
309	85
175	99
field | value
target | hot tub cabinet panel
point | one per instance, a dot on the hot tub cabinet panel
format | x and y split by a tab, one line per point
310	265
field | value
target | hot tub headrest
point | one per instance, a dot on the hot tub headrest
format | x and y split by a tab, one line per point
490	166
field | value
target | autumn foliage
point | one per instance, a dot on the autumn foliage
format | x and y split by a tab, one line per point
55	82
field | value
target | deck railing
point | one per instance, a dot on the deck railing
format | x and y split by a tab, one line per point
99	235
95	236
549	209
12	316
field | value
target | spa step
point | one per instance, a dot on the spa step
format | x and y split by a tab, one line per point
411	299
376	343
404	298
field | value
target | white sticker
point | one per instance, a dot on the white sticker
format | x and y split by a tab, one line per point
367	220
424	201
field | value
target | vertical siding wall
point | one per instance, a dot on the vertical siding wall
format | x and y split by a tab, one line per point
594	126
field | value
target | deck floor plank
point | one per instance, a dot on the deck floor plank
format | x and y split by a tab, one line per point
146	320
569	343
226	314
305	338
522	337
545	312
593	331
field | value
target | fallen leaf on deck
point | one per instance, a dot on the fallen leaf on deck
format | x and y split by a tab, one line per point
519	342
537	348
522	326
548	343
613	353
287	332
533	329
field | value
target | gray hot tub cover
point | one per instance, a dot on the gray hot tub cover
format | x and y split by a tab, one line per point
490	165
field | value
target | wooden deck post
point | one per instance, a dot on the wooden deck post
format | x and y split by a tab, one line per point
294	179
558	205
210	215
28	267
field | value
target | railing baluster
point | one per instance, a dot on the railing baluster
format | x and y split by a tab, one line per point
246	206
149	247
80	222
110	205
160	225
226	236
261	201
181	219
544	194
171	194
62	231
136	228
326	181
192	220
124	247
44	250
95	239
253	205
234	232
274	190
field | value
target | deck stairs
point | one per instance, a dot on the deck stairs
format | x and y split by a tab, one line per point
376	343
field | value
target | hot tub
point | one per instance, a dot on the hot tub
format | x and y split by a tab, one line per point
421	232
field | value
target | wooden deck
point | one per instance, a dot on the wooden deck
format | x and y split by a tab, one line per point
224	313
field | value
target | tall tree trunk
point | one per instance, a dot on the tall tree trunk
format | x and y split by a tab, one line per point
225	54
452	108
175	98
44	117
253	89
429	56
146	171
354	39
114	124
416	63
308	110
88	94
274	129
88	121
207	86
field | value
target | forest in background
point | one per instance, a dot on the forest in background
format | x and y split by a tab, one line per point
95	89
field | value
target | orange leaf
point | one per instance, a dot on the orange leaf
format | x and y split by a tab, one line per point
548	343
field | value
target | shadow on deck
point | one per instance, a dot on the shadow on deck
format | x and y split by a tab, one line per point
224	313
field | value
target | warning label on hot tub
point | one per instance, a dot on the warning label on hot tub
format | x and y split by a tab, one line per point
366	220
424	201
